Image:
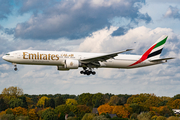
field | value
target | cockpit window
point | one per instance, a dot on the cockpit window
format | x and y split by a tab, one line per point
7	54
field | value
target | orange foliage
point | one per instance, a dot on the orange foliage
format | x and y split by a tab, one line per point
32	114
19	111
29	101
175	104
2	113
160	110
120	111
105	109
128	108
153	101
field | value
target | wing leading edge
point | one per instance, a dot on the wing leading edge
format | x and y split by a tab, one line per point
103	57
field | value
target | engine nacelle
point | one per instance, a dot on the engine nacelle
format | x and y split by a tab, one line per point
69	64
62	68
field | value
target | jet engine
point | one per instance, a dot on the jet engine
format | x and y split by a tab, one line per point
69	64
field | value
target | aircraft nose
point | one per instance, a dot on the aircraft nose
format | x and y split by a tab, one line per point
4	57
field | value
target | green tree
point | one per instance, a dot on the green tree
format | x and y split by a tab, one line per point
99	97
62	116
22	118
173	118
85	99
59	101
71	114
25	104
88	116
9	111
15	102
71	118
52	103
3	105
7	117
176	97
136	108
97	104
144	116
82	109
101	117
114	100
46	103
62	109
49	114
161	118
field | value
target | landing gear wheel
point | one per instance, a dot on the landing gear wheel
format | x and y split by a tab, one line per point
87	72
81	72
93	72
15	67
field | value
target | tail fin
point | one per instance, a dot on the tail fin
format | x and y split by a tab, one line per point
156	48
154	51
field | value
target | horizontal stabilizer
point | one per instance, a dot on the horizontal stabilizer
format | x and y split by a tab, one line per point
157	60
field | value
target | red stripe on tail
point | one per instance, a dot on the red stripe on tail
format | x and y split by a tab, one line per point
144	56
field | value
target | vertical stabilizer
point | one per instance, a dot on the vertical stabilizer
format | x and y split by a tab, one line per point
154	51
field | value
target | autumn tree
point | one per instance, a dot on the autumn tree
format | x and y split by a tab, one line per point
32	114
120	111
19	111
152	101
105	109
71	102
11	92
114	100
41	101
82	109
175	104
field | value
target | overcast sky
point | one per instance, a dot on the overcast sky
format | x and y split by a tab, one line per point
90	26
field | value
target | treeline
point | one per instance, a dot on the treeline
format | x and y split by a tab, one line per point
16	105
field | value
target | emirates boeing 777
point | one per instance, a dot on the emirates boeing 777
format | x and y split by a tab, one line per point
88	61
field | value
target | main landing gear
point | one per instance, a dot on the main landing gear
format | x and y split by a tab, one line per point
15	67
87	72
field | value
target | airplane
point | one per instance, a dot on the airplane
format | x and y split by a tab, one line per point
88	61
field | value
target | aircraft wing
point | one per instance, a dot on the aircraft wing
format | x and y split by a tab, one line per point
158	60
102	57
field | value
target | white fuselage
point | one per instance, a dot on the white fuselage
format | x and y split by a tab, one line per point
57	58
